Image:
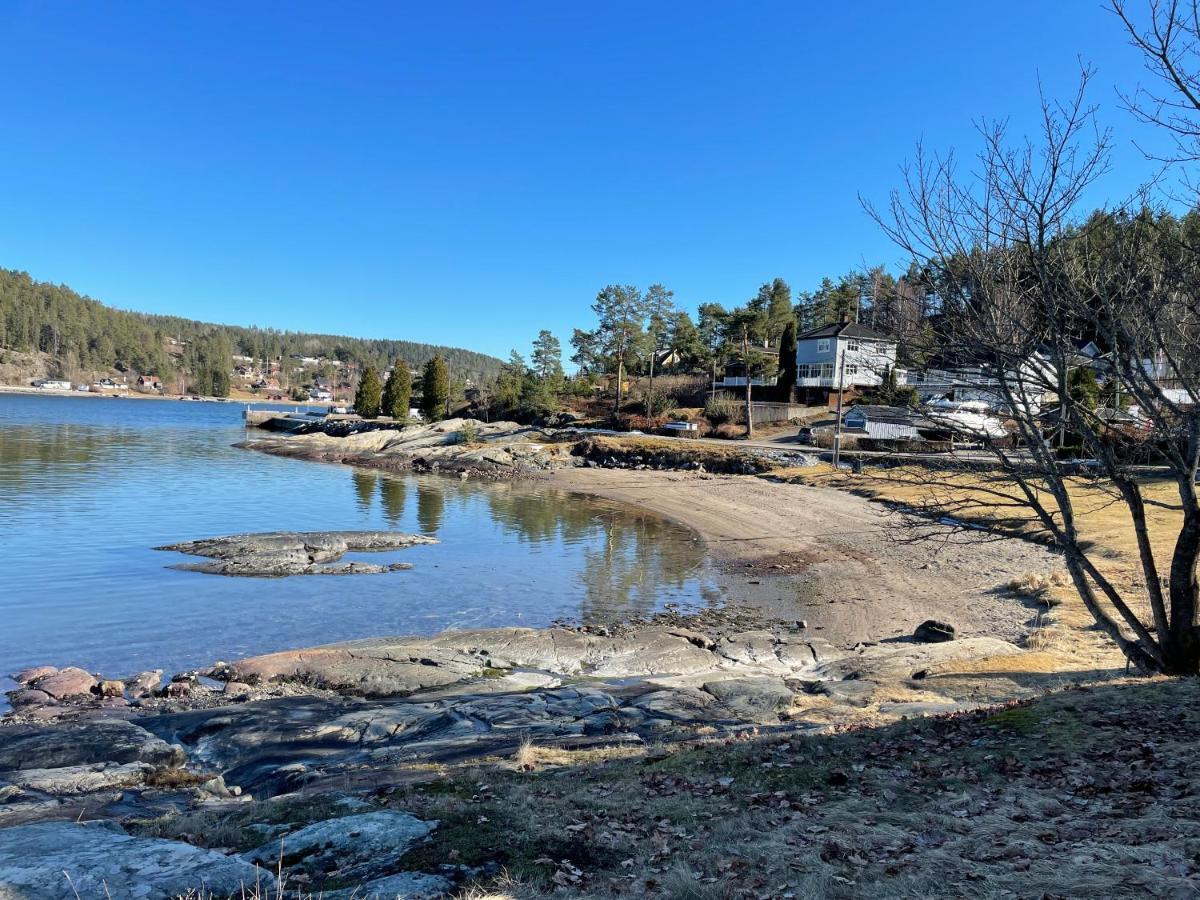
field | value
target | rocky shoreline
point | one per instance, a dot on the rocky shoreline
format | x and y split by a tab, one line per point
289	757
344	720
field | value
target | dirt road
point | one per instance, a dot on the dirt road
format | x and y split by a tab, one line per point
836	560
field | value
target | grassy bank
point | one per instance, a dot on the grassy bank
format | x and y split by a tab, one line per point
1086	793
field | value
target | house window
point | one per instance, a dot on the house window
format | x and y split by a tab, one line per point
852	346
802	371
823	345
827	370
851	370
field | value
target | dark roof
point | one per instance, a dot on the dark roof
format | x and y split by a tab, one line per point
845	329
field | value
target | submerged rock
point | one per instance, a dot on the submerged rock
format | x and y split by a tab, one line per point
278	553
66	861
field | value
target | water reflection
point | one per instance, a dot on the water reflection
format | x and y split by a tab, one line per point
88	486
393	493
364	487
431	505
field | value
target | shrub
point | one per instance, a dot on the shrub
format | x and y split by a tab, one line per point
469	433
720	409
729	431
656	403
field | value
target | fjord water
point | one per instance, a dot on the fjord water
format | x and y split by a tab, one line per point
89	485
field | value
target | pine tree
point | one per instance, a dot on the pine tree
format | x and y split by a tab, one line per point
369	394
397	392
435	390
547	358
787	362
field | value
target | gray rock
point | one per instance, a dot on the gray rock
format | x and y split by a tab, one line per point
280	553
36	861
81	779
401	886
81	744
360	846
851	693
755	699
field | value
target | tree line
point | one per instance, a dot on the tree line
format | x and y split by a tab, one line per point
81	333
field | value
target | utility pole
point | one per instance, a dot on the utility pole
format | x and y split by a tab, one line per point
837	428
746	364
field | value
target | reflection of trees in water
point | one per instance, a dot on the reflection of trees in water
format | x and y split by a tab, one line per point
628	558
624	574
364	487
431	506
393	492
541	515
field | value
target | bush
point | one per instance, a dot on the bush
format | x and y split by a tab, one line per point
729	431
656	403
720	409
469	433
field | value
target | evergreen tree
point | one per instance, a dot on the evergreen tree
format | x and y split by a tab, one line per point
435	390
787	360
547	358
397	391
621	312
369	396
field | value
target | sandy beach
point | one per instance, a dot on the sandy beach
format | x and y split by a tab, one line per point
829	557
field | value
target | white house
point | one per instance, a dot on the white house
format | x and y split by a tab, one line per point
844	354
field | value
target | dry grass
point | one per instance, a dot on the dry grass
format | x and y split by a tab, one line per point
992	500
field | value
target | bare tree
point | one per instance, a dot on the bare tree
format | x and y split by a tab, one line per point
1027	277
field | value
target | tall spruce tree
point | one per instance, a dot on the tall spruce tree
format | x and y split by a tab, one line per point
397	391
435	390
787	362
369	394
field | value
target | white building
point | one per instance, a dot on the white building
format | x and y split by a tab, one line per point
844	354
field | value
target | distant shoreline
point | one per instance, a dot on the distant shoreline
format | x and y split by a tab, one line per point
134	395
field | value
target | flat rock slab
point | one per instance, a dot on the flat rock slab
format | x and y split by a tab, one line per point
275	554
405	885
82	744
66	861
360	846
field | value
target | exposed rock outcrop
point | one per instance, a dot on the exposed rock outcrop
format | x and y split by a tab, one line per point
280	553
67	861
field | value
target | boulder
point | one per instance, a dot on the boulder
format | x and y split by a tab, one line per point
932	631
109	688
360	846
81	744
67	861
144	684
28	697
68	682
28	676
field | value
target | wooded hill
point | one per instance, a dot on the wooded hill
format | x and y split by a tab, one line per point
84	333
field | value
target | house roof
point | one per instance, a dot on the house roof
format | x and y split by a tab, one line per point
900	415
847	330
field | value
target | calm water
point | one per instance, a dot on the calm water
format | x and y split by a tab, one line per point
88	486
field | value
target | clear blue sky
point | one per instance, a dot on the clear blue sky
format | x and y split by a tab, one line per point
467	173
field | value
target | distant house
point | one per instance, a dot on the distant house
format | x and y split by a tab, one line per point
844	354
150	382
734	376
893	423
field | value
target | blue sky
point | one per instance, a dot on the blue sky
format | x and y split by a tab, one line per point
468	173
